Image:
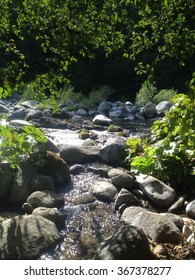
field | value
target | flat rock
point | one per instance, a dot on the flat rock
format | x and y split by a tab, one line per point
157	191
157	227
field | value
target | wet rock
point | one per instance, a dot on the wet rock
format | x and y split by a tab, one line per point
157	191
56	168
101	170
103	190
157	227
79	154
128	243
121	179
52	214
48	199
190	209
102	120
113	152
77	169
27	237
127	198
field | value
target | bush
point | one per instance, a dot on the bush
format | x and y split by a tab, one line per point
145	94
164	95
170	155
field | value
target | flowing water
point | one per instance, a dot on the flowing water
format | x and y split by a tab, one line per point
87	221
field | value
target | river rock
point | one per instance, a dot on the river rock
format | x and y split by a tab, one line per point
127	198
21	186
190	209
27	237
29	104
3	109
162	107
128	243
176	219
34	114
82	112
6	179
52	214
19	114
42	182
102	120
79	154
19	123
157	191
48	199
77	169
149	111
177	205
55	167
104	108
113	152
121	179
157	227
103	190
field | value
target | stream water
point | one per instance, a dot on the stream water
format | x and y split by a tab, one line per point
87	221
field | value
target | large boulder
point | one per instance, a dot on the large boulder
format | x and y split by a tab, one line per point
149	111
128	243
157	227
102	120
103	190
52	214
190	209
121	179
162	107
157	191
48	199
104	108
113	152
55	167
27	237
79	154
21	186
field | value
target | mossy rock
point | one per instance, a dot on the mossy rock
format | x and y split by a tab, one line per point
114	128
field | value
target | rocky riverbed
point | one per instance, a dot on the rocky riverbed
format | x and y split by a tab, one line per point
84	203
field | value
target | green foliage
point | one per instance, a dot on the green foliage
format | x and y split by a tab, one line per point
16	146
41	39
164	95
170	155
145	94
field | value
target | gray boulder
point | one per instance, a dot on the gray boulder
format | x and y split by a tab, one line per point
34	114
19	114
48	199
104	108
82	113
125	199
157	191
157	227
79	154
121	179
29	104
52	214
128	243
103	190
149	111
27	237
113	152
102	120
21	186
19	123
162	107
190	209
55	167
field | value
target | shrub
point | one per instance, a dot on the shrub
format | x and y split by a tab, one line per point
171	152
164	95
145	94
